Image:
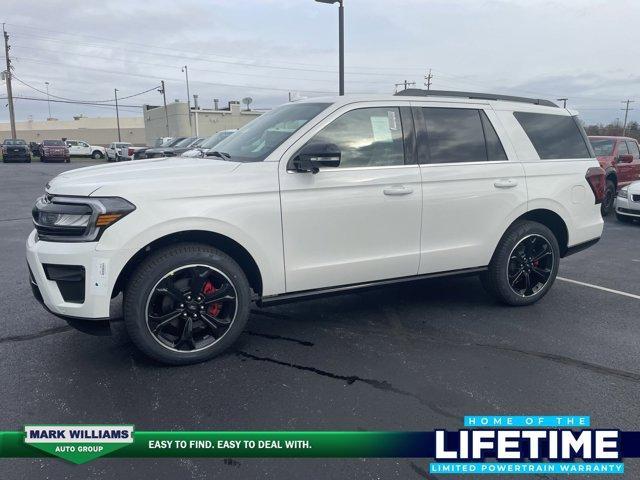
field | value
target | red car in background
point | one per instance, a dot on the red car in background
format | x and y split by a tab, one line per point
54	151
620	159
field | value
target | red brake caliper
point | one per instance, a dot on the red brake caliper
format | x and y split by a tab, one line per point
214	308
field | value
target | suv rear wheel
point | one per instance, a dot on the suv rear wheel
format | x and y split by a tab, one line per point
524	265
186	303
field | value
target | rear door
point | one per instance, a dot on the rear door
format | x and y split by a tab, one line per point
358	222
472	188
74	148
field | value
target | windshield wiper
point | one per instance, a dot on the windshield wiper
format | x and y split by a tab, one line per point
215	153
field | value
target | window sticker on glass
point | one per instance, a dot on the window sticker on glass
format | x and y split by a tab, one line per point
381	129
393	122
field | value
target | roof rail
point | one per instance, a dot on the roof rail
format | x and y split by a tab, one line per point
418	92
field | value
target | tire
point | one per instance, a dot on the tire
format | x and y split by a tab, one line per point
624	218
43	159
97	155
506	263
609	197
68	160
170	270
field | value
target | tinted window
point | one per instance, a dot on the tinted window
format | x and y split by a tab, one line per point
633	149
216	138
622	148
455	135
602	146
258	138
495	151
366	137
553	136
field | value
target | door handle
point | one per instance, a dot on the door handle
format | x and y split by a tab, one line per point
505	183
395	191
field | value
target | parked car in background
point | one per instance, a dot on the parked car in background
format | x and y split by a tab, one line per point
628	203
80	148
15	151
201	149
54	151
122	151
166	143
176	147
319	197
158	142
620	158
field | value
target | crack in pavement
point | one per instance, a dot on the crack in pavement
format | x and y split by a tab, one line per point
14	219
422	472
280	337
553	357
33	336
264	313
351	379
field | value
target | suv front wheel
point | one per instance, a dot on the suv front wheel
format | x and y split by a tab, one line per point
186	303
524	265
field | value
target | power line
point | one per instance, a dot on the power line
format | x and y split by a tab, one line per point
626	115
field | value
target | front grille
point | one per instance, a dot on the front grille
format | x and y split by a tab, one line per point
69	279
635	198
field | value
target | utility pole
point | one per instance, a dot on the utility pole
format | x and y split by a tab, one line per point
626	115
115	93
563	100
186	74
406	84
48	100
341	42
12	115
428	78
164	99
196	107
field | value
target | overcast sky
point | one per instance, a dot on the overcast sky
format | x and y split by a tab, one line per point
584	50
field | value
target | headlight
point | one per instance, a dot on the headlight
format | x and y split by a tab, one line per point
77	219
624	192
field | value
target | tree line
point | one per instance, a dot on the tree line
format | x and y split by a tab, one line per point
614	129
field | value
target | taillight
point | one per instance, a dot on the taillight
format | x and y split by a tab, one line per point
130	152
595	177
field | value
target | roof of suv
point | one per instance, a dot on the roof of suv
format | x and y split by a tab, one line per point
612	137
436	96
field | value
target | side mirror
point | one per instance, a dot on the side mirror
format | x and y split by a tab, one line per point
314	156
626	158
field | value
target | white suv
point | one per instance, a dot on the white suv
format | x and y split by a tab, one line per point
318	197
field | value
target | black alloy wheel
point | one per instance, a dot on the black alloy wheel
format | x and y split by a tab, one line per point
530	265
191	308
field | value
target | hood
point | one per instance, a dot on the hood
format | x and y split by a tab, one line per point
123	177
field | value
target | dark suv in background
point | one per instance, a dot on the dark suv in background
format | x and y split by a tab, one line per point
15	151
620	159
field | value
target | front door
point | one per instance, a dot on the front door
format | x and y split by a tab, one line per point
358	222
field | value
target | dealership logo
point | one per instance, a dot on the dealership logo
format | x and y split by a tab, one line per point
78	443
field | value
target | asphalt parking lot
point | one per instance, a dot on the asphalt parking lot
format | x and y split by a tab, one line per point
413	357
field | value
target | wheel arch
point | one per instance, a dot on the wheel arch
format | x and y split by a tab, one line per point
553	221
223	243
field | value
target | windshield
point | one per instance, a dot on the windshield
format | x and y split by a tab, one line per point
602	146
54	143
256	140
14	142
173	142
185	143
215	139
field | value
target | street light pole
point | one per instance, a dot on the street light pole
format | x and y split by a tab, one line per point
115	93
340	40
48	100
186	74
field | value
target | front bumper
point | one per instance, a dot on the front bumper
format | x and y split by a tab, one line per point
627	206
16	157
101	269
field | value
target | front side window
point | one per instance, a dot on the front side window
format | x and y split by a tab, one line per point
633	149
458	135
256	140
622	148
366	137
554	136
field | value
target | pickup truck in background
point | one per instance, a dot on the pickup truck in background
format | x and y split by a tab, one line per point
620	159
80	148
54	151
121	151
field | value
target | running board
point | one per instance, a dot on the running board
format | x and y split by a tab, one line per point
331	291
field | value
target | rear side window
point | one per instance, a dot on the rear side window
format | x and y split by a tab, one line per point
553	136
458	135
